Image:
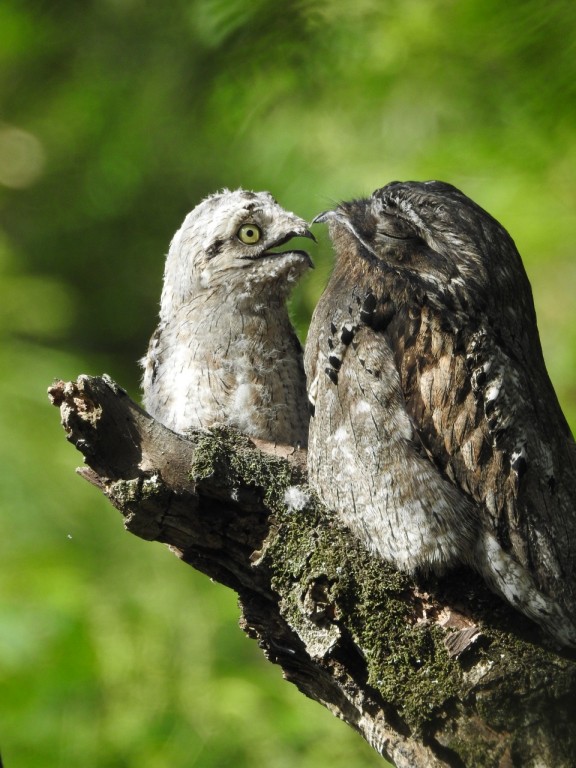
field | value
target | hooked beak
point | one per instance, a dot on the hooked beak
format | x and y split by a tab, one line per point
308	234
304	232
291	235
341	217
322	218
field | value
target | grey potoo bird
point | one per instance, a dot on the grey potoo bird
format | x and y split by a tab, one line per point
436	432
225	352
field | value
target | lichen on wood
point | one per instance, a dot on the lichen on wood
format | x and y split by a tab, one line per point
431	673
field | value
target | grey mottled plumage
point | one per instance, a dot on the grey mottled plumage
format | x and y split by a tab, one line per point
437	435
225	351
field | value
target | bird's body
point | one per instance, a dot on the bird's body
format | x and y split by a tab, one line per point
225	352
436	433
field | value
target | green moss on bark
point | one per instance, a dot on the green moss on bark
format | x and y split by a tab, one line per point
332	591
231	456
329	584
406	663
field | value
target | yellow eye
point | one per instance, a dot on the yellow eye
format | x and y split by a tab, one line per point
249	234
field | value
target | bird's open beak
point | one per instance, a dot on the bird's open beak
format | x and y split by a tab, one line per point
308	234
285	239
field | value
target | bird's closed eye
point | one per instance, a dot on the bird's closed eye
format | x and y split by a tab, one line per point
249	234
396	229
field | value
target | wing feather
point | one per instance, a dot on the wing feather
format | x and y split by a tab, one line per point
489	419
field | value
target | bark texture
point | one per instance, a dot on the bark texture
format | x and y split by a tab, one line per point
431	674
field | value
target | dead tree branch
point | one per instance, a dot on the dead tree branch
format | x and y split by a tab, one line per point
431	675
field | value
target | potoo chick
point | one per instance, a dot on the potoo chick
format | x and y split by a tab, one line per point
436	434
225	351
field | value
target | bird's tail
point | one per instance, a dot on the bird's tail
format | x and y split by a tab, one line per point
513	582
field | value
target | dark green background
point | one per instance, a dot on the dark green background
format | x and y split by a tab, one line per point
116	118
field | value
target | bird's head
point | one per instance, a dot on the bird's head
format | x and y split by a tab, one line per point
235	241
428	233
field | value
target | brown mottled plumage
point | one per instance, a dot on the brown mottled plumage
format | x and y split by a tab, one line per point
437	434
225	352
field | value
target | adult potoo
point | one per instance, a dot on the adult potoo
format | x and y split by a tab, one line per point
436	433
225	352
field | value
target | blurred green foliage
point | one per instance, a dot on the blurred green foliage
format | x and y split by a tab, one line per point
117	117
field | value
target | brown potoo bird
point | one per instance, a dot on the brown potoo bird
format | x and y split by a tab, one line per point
225	351
436	433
